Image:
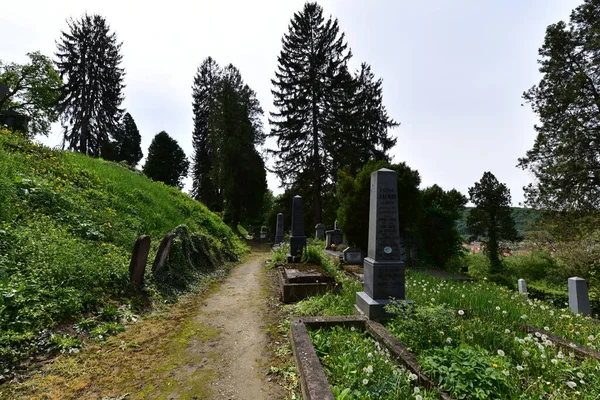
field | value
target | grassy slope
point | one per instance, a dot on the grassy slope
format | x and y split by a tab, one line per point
67	228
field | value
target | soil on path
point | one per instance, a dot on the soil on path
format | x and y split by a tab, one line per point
211	346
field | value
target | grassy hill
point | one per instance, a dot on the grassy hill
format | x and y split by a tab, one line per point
68	223
525	219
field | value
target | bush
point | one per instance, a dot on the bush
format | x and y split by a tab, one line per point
478	264
533	266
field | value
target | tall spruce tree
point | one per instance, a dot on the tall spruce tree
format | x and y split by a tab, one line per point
166	161
128	141
229	173
313	53
326	118
204	93
565	156
88	60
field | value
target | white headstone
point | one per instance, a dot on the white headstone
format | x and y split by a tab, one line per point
522	286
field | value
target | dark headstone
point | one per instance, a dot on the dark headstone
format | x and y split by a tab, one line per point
279	229
162	253
139	257
298	238
335	237
353	255
383	268
579	299
320	231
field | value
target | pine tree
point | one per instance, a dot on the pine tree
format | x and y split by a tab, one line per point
229	173
204	93
129	141
313	53
166	161
88	59
564	157
327	119
491	219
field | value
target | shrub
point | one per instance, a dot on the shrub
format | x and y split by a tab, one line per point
532	266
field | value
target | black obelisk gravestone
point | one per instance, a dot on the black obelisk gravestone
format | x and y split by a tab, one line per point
383	269
279	229
298	237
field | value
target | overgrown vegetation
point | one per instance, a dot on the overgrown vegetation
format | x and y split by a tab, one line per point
67	227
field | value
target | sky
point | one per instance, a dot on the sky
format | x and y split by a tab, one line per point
453	71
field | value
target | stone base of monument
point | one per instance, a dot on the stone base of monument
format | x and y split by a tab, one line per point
298	282
313	381
297	246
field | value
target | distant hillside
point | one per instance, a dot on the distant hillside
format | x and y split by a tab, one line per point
68	223
524	218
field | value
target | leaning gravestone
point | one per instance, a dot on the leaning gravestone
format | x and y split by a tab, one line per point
579	300
298	238
162	253
383	268
320	231
139	257
279	229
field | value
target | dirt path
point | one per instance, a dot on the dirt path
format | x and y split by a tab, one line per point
236	311
210	346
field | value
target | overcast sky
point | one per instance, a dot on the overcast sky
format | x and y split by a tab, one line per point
453	70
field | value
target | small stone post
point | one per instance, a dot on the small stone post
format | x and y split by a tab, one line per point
279	229
579	300
522	286
139	257
320	231
298	237
383	268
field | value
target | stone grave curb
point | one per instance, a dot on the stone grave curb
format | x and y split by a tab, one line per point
313	381
293	292
578	349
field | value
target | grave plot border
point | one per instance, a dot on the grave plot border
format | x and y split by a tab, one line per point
313	380
293	292
580	350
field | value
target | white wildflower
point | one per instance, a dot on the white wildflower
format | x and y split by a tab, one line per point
571	384
501	353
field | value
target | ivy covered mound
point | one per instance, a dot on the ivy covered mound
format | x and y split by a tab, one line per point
68	223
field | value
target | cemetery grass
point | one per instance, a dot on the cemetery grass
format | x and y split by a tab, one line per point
68	223
467	336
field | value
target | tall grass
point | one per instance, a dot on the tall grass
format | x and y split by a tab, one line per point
67	228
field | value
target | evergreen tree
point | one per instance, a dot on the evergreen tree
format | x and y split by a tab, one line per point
128	141
564	157
204	93
166	161
327	119
491	220
313	54
88	60
229	174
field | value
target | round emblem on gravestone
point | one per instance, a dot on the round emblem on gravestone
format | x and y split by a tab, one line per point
387	250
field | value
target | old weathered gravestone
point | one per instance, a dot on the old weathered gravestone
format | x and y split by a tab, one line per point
522	286
579	300
335	237
162	253
383	269
139	257
353	256
298	237
279	229
320	231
